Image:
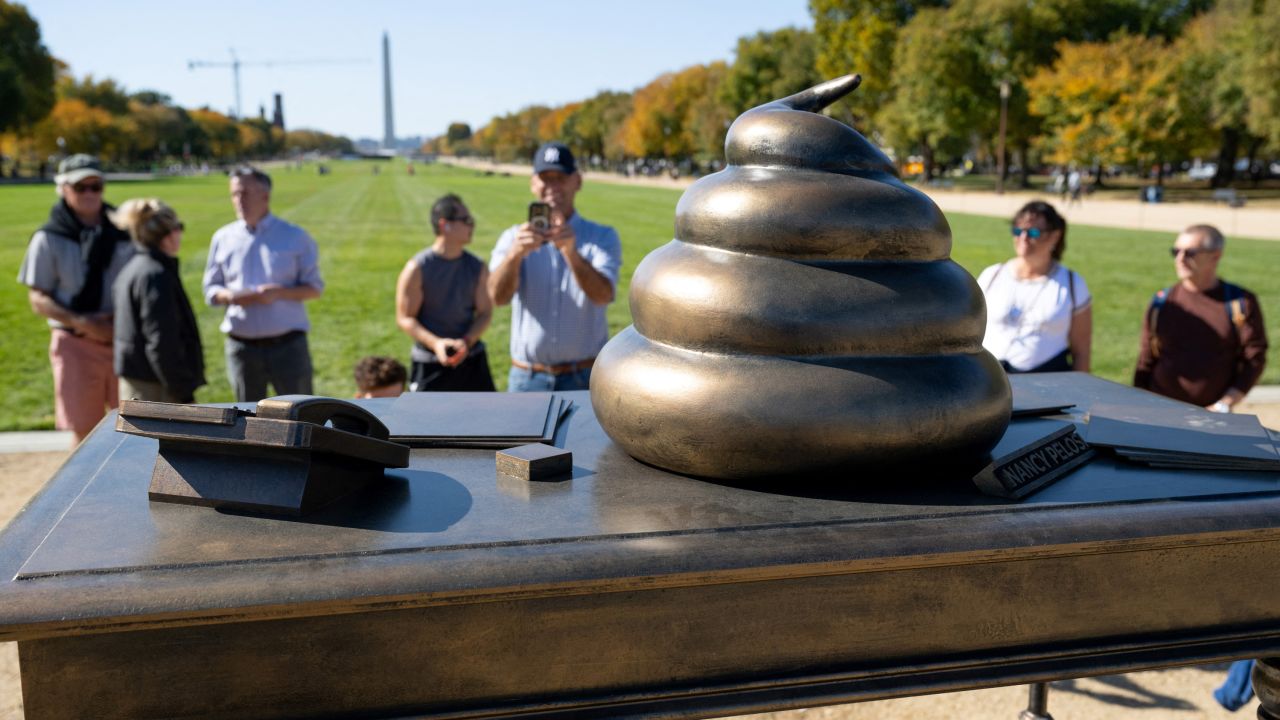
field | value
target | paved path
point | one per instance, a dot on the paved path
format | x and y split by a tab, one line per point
1251	222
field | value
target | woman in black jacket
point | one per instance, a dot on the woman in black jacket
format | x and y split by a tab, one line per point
157	343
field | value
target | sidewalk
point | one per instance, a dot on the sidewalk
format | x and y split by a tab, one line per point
1257	222
1251	222
35	441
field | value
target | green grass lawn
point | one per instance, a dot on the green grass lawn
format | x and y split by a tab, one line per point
368	225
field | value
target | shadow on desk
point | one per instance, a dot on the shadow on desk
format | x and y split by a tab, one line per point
404	501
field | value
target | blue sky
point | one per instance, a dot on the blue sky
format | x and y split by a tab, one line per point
450	61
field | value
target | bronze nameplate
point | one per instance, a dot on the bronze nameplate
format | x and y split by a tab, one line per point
1031	455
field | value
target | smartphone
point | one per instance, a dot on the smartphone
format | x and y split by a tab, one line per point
540	216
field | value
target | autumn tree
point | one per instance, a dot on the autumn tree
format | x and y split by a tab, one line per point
595	127
303	140
1111	102
941	87
26	69
551	125
1261	69
157	130
513	136
73	126
663	120
768	66
220	132
106	94
1211	53
859	36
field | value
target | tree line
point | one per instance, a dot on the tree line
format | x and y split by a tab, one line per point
45	112
1139	84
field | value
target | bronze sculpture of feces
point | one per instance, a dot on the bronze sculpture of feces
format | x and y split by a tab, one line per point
807	316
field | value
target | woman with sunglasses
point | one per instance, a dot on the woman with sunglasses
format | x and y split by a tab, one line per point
158	355
1039	313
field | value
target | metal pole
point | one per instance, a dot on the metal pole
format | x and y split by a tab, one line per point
1004	115
1037	703
235	74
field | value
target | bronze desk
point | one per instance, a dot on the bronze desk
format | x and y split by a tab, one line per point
626	591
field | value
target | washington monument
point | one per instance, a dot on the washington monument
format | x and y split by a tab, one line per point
389	127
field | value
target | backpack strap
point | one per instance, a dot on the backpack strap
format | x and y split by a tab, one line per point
992	280
1153	312
1233	299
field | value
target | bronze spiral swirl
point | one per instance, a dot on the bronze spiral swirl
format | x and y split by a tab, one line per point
806	317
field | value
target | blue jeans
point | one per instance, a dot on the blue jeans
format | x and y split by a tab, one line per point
521	380
1237	691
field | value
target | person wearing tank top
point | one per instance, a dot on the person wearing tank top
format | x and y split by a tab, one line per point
442	302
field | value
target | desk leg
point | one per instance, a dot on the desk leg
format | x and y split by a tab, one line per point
1266	685
1038	703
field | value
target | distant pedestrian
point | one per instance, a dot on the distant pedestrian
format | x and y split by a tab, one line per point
1059	184
1075	186
1203	339
262	269
70	264
1039	312
442	302
157	342
559	282
379	377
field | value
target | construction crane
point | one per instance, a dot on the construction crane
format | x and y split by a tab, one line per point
235	64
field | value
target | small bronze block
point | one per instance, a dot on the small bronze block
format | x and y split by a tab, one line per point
535	462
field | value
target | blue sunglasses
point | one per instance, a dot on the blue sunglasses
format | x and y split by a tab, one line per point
1032	233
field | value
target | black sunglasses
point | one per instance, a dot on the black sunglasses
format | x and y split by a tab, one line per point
91	187
465	220
1191	252
1032	233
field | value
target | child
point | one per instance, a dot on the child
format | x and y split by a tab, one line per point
378	376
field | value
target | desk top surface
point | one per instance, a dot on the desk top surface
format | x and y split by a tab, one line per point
450	526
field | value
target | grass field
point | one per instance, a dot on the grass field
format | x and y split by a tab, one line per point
368	225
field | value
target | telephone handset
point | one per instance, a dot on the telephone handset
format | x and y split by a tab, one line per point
341	414
273	468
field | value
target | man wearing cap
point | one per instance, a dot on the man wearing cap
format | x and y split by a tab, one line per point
69	267
1203	340
558	281
262	269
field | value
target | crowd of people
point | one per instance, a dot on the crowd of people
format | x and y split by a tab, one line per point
121	325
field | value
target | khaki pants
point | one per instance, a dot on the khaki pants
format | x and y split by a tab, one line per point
131	389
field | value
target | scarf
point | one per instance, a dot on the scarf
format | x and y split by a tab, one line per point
97	247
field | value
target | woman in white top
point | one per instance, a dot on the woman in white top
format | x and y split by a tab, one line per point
1039	313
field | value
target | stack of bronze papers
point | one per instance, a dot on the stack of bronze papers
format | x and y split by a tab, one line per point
1183	438
472	419
1031	399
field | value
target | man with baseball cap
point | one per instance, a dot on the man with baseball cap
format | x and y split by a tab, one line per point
559	282
70	265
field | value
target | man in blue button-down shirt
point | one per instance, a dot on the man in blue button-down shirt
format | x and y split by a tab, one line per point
262	268
559	282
